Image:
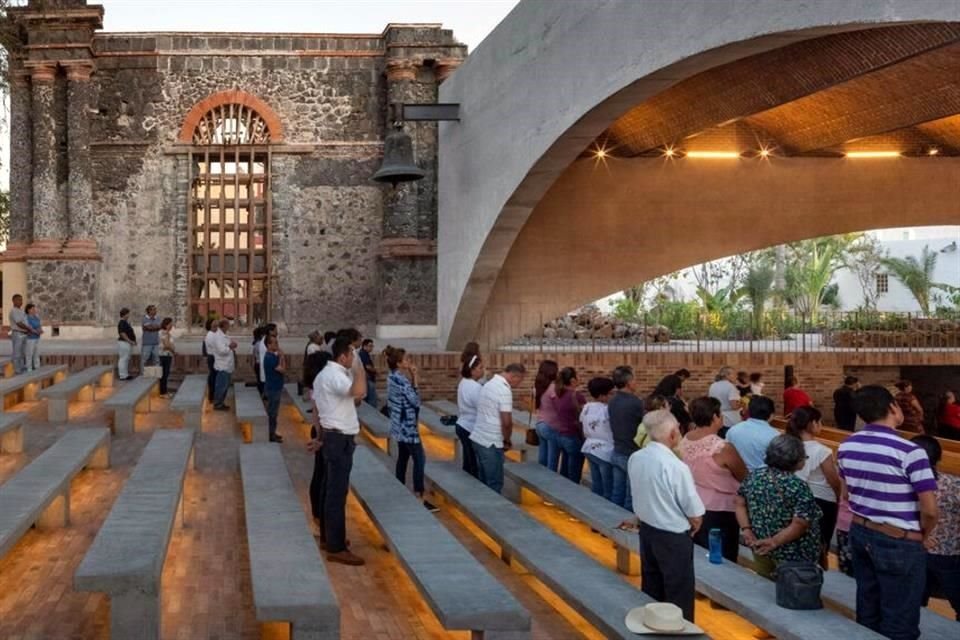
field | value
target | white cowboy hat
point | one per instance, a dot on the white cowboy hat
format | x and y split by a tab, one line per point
660	618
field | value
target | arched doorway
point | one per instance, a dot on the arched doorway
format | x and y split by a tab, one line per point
229	208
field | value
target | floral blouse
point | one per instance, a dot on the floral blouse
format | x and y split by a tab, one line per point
404	402
946	537
773	499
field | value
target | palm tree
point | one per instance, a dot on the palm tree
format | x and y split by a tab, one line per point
811	270
916	275
756	288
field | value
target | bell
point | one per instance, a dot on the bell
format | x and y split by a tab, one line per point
398	165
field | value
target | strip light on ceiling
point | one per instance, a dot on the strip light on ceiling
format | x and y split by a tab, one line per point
873	154
716	155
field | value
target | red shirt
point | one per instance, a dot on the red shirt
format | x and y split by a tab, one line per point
951	415
794	398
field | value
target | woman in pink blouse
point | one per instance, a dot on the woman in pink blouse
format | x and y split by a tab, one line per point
717	471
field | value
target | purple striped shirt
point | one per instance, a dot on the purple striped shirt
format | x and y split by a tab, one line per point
884	473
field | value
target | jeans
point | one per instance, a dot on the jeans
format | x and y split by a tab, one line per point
571	466
943	580
405	451
545	433
316	482
371	397
273	409
223	385
891	575
469	456
166	362
620	492
601	476
123	361
211	379
17	339
149	353
31	354
726	521
490	466
338	451
666	567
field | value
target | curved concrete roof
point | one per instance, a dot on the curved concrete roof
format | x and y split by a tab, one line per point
556	76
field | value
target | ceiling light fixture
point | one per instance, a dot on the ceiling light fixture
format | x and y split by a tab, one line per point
932	151
873	154
669	152
718	155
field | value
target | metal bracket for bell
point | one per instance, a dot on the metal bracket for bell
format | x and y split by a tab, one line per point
398	162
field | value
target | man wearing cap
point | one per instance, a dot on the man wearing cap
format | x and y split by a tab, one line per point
669	513
892	494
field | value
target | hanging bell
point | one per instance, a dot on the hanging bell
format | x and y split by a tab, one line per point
398	165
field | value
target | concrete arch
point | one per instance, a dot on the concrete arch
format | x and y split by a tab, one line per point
555	75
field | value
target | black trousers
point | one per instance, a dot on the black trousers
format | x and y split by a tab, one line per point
316	482
726	521
337	463
469	457
829	521
666	567
166	362
211	379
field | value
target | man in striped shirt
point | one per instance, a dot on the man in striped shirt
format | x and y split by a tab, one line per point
892	494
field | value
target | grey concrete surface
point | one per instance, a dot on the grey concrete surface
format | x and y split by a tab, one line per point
11	432
78	385
373	421
30	382
554	561
459	590
25	497
730	585
132	397
249	409
126	558
289	579
190	399
554	75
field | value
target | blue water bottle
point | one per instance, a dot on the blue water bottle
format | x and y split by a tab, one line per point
716	546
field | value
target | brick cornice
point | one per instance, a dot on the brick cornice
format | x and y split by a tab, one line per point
41	73
402	69
407	248
53	249
445	66
79	70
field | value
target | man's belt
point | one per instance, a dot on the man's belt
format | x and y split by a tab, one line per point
888	529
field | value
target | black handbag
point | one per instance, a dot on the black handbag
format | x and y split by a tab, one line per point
799	585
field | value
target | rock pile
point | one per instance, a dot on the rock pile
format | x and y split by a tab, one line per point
589	323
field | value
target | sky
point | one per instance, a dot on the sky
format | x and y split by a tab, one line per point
471	21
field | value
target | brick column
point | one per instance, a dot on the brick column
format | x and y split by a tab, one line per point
49	225
80	241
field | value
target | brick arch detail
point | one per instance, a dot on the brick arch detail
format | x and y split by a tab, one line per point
232	96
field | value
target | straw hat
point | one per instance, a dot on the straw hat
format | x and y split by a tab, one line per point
660	618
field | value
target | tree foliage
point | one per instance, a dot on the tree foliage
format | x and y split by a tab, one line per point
864	258
916	274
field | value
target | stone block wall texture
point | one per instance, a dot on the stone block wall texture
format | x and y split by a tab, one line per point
330	96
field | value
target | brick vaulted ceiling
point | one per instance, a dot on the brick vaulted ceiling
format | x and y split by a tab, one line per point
892	88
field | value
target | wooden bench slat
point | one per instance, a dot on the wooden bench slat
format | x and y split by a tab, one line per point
554	561
462	593
736	588
25	496
289	579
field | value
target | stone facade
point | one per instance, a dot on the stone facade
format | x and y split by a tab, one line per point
101	203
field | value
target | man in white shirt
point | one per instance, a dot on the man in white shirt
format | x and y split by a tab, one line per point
222	348
19	329
261	352
494	425
669	512
336	392
724	390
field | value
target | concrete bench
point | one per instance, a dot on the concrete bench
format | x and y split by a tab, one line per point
290	582
521	419
132	398
126	558
250	412
79	386
601	596
11	432
518	438
738	589
190	399
28	385
460	592
303	407
39	494
6	367
376	428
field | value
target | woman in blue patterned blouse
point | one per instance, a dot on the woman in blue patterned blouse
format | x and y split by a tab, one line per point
404	401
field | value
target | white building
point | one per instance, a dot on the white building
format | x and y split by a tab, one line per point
900	243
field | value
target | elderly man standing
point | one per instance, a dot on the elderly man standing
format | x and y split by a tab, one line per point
893	496
19	329
150	344
669	513
223	349
494	426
